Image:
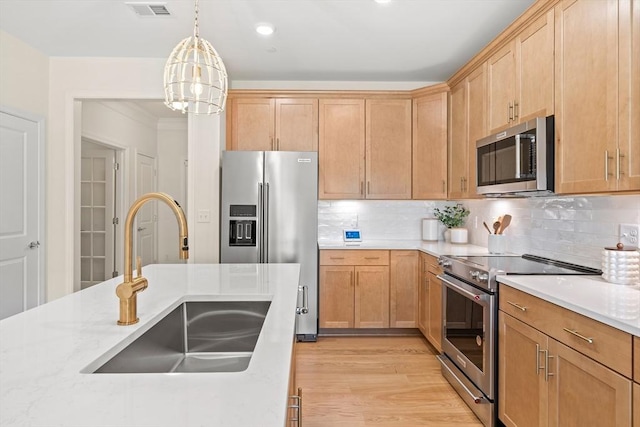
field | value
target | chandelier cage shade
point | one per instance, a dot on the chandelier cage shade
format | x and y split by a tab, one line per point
195	78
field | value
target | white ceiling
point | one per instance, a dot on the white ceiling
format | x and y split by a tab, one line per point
315	40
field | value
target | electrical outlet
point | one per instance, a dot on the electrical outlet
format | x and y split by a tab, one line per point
629	234
204	215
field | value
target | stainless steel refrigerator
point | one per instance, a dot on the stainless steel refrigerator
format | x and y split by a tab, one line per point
269	214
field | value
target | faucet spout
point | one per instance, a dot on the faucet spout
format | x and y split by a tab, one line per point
128	290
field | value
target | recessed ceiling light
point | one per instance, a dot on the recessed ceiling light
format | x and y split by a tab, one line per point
265	29
382	1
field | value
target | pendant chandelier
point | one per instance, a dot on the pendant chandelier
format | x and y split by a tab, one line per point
195	79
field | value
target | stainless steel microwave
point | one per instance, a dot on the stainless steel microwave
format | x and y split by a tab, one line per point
518	161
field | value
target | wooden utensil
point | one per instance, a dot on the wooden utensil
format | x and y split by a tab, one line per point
506	220
486	226
496	225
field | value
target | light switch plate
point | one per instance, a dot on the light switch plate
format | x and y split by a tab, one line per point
629	234
204	215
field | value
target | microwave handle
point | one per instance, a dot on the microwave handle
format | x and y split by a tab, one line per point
518	156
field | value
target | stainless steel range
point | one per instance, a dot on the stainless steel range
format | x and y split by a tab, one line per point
470	312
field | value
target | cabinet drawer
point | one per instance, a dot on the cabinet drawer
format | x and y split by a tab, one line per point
636	361
354	257
609	346
433	266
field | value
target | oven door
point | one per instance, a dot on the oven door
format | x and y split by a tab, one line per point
469	331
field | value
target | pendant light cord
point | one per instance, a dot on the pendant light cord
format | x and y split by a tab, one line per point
196	30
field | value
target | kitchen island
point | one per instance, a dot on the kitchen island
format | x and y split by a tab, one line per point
44	352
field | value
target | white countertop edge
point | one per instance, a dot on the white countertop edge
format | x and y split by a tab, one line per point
435	248
615	305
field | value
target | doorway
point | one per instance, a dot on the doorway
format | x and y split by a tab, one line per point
99	222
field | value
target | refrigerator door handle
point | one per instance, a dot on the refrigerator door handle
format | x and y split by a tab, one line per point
305	300
260	229
265	241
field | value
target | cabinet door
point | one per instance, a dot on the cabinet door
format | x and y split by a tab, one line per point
296	124
583	392
435	312
430	147
458	162
501	69
628	154
251	124
388	148
522	389
423	297
403	289
636	405
372	297
476	89
336	296
534	69
341	149
586	104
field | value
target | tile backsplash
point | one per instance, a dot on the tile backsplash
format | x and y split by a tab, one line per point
573	229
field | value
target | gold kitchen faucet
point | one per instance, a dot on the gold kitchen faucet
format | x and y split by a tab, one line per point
127	291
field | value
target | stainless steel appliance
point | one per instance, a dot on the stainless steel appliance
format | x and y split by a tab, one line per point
470	311
517	161
269	214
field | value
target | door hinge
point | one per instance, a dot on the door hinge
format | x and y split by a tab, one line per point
115	221
116	166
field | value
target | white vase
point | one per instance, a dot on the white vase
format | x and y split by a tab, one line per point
459	235
447	235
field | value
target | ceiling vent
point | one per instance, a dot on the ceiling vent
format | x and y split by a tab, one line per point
149	9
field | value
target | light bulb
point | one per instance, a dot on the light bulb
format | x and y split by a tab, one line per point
196	87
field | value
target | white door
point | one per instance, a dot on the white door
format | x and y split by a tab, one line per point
97	214
147	215
21	255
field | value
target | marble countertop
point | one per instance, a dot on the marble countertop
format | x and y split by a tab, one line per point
44	350
591	296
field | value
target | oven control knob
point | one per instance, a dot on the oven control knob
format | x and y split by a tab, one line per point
474	274
483	277
443	262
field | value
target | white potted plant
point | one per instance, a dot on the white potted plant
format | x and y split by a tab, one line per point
453	217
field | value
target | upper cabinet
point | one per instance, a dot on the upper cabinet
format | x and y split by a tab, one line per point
388	148
520	76
467	125
365	149
341	149
597	131
269	124
430	146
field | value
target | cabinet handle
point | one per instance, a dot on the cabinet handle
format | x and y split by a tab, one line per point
272	146
444	186
518	306
278	144
336	257
619	170
538	367
606	165
368	187
510	113
372	257
361	184
461	187
579	335
547	374
515	111
297	405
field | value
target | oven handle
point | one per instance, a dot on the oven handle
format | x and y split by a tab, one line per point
465	290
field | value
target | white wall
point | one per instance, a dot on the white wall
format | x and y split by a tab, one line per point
107	78
573	229
24	76
172	154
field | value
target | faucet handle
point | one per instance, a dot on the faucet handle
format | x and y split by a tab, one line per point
139	266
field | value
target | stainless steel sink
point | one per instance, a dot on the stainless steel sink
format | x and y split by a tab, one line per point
211	336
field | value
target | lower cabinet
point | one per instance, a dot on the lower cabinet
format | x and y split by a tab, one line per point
369	289
294	408
544	382
430	300
636	404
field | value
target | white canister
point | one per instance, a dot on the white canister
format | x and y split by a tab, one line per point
430	229
497	243
459	235
621	265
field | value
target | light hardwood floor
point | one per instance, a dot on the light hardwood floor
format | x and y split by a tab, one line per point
376	381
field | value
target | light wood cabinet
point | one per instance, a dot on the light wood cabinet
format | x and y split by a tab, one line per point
270	124
547	372
423	296
388	148
371	302
467	124
431	301
354	289
429	162
636	405
595	149
341	149
520	76
365	149
403	289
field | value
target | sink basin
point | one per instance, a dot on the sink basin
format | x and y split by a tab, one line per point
211	336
